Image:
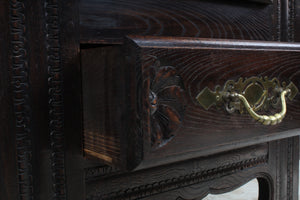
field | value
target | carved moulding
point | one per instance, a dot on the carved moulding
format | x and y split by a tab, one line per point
165	100
182	181
21	98
55	95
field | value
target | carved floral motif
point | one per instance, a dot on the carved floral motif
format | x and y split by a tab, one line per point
166	100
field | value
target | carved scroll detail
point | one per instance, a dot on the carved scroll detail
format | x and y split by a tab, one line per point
291	20
21	99
55	92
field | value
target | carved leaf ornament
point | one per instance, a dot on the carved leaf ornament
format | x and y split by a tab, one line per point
166	101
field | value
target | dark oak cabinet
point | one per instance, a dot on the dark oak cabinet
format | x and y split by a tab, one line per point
149	99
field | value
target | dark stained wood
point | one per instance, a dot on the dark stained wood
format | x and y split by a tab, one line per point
42	112
21	98
116	94
107	21
55	83
288	20
194	179
71	94
296	23
177	69
265	191
184	173
205	67
38	92
33	136
8	169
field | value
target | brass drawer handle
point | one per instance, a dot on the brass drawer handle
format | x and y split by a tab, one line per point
264	119
251	94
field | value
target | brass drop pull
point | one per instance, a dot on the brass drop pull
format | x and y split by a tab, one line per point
251	95
264	119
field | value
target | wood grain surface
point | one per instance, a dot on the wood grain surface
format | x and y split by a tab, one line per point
109	21
20	68
41	112
274	164
112	94
8	160
203	63
187	129
147	183
72	100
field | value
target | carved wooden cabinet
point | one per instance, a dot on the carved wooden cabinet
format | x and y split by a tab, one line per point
149	99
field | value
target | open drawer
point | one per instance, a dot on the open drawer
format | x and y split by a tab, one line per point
158	100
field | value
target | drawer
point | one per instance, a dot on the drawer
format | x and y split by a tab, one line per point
158	100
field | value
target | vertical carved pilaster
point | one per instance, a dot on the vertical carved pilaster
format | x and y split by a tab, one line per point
291	21
287	20
286	168
277	17
55	92
278	175
290	168
21	100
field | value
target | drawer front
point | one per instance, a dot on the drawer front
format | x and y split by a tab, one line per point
155	115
